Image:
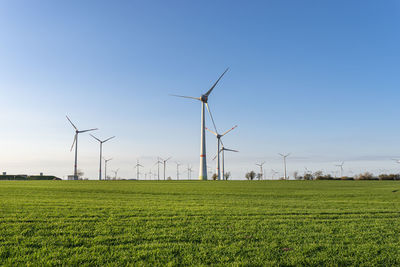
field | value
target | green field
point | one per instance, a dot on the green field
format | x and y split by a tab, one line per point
200	223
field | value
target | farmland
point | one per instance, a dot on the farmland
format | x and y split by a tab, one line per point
200	223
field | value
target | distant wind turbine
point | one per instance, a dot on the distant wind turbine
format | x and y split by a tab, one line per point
137	169
222	151
204	102
101	150
77	132
189	170
284	162
105	167
177	170
261	169
115	173
164	161
341	168
219	142
158	167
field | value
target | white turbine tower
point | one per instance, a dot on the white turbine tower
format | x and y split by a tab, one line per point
101	150
284	162
158	168
222	151
177	170
105	167
341	168
77	132
219	142
261	169
115	174
137	169
189	170
204	103
164	161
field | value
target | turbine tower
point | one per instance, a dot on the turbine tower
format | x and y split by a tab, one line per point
77	132
158	168
101	150
204	103
189	170
341	168
164	161
219	142
115	173
137	169
261	169
105	167
177	170
222	151
284	162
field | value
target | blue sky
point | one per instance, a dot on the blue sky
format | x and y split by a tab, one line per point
319	79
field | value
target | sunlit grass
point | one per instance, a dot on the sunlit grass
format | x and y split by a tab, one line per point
190	222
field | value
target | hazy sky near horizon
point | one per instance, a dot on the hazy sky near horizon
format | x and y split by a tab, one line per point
319	79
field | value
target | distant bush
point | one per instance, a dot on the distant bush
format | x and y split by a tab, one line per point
389	177
365	176
325	177
346	178
29	178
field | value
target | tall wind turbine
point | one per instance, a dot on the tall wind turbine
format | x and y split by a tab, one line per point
177	170
284	162
158	168
105	167
341	168
164	161
77	132
204	102
261	169
101	150
137	169
219	142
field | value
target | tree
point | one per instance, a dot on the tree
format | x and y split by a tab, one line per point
215	176
250	175
296	175
259	176
308	176
227	175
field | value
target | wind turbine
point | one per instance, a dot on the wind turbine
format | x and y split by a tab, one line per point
177	169
164	161
218	149
115	173
137	169
284	161
101	149
158	167
204	102
105	167
273	173
222	150
341	168
76	146
396	160
189	170
261	169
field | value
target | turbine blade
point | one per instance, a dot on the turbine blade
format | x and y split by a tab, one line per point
211	131
229	130
191	97
212	88
84	131
167	159
95	137
209	112
71	123
108	139
73	143
227	149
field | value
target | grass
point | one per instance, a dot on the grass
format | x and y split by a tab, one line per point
199	223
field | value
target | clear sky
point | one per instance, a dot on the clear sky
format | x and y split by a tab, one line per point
319	79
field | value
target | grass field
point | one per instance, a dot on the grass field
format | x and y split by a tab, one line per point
200	223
